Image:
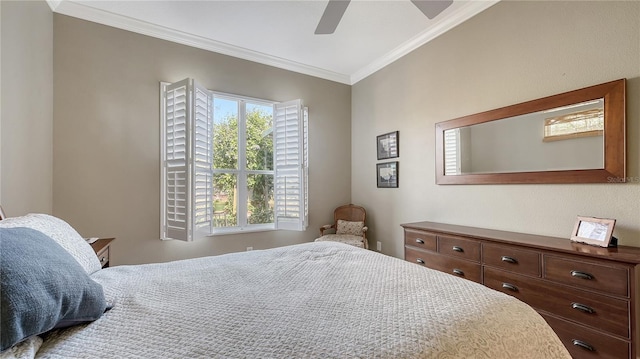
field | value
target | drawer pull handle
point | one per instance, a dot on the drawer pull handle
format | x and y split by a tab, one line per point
582	308
420	260
419	240
511	287
581	275
459	272
457	249
583	345
509	259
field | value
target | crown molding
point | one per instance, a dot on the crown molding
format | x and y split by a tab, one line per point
442	24
88	13
53	4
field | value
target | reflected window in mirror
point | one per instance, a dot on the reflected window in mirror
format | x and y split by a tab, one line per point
452	152
585	119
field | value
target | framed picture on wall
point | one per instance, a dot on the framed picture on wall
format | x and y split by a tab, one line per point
594	231
387	174
388	145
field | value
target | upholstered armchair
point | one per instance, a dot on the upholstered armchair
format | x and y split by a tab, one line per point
348	227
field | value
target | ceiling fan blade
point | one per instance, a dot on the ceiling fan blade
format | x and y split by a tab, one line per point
432	8
331	16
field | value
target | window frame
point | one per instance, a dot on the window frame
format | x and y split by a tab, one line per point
241	171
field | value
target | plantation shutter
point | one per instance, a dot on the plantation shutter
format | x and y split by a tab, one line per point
291	165
176	214
452	152
305	166
202	159
187	158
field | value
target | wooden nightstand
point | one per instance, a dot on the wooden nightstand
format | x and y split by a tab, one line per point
101	247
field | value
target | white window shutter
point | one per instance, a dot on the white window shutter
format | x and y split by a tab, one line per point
187	160
452	165
305	166
290	159
202	159
176	214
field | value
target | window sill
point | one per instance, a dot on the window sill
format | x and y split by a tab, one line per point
252	229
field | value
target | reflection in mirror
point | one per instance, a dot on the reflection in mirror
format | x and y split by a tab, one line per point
572	137
584	119
562	138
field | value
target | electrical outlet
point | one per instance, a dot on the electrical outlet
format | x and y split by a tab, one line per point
249	248
379	246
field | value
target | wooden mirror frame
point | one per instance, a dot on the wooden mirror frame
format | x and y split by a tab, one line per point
614	170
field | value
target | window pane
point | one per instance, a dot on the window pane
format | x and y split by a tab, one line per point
225	133
259	137
260	199
225	200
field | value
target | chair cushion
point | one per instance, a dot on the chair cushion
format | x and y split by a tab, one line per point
348	227
350	239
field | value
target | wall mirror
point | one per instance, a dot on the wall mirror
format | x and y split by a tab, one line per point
573	137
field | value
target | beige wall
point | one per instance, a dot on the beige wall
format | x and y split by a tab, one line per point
510	53
106	177
26	103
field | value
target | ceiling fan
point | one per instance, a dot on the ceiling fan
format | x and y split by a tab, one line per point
336	8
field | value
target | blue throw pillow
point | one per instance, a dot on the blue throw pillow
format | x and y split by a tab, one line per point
43	287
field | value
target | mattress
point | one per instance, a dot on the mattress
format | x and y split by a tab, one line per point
312	300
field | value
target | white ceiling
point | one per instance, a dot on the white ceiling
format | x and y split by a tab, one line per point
371	34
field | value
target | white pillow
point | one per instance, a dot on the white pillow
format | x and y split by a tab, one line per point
61	232
347	227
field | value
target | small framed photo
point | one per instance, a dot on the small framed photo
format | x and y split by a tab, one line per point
387	174
594	231
388	145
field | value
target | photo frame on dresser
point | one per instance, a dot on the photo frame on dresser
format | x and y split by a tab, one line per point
594	231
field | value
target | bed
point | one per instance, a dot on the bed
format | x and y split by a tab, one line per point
311	300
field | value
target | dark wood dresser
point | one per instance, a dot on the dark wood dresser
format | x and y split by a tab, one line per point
588	295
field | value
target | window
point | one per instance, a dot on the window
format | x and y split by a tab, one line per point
585	119
243	158
231	163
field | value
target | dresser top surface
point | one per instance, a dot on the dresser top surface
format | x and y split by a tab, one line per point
621	253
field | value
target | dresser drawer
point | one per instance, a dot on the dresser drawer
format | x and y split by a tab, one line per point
597	311
420	239
459	247
511	258
589	275
586	343
458	267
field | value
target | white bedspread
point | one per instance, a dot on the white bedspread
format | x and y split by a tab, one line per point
314	300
